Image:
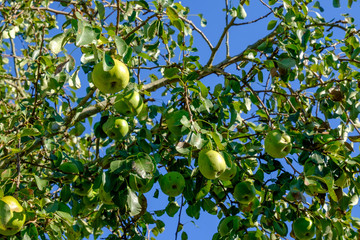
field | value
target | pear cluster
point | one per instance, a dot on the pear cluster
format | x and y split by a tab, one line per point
112	80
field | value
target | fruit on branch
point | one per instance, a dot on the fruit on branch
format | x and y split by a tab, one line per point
229	173
12	216
244	192
129	105
277	144
173	122
211	164
116	128
141	185
143	115
71	171
304	228
172	183
228	224
111	80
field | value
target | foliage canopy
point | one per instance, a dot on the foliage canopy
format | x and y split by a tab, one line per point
301	77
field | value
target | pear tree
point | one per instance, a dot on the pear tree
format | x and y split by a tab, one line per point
118	115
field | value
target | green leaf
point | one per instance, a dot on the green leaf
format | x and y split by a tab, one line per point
101	9
86	34
172	208
355	53
5	213
196	140
203	190
179	24
65	193
209	206
241	13
204	90
133	203
78	129
143	166
108	62
184	236
171	73
30	132
329	181
64	212
56	43
151	31
287	63
271	24
336	3
119	166
74	80
41	183
172	14
121	46
194	210
142	3
203	21
217	140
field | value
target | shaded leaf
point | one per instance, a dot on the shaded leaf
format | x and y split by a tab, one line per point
41	183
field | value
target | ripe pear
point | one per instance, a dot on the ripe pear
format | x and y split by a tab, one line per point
129	105
116	128
172	183
211	164
112	80
277	144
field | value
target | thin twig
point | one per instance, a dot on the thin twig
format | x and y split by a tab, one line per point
227	44
117	17
179	219
216	48
139	26
198	30
253	21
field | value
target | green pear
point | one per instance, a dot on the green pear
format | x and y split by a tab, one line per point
172	184
116	128
12	216
231	223
229	173
244	192
211	164
304	228
112	80
277	144
129	105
